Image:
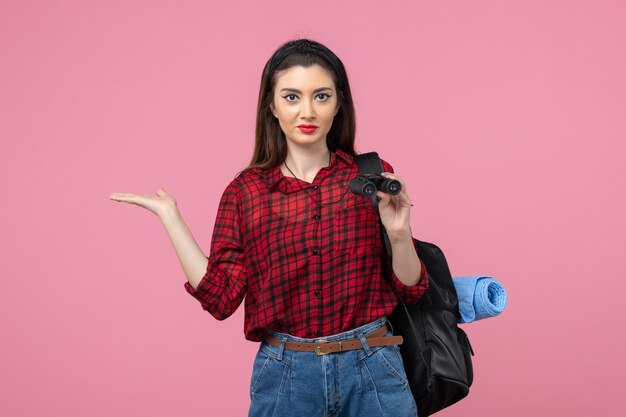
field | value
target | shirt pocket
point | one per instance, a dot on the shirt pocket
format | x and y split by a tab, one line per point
357	228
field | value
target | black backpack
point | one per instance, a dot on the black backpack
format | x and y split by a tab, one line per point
436	352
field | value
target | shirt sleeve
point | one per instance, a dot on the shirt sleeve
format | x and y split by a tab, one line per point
410	294
224	283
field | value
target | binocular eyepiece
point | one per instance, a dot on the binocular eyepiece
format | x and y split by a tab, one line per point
366	185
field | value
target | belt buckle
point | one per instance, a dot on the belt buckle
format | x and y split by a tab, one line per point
318	345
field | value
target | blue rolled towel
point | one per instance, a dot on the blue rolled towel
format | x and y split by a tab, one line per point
479	297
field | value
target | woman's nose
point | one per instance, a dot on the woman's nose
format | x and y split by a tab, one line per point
307	110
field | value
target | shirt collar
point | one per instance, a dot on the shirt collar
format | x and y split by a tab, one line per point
273	176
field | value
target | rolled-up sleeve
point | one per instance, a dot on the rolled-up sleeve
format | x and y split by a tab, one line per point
224	283
410	294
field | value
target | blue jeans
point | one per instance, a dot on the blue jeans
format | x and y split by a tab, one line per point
364	382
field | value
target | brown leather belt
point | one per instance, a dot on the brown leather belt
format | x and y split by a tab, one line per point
323	347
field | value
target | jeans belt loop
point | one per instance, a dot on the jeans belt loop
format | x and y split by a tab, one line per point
281	348
366	347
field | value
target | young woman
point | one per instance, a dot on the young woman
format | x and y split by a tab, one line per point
306	253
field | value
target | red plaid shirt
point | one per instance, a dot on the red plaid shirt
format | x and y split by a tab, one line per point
307	257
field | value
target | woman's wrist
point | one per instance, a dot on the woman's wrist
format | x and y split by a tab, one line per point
400	235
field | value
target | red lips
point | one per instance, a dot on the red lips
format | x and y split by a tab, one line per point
307	128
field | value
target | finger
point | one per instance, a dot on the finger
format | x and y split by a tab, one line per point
384	198
128	198
121	196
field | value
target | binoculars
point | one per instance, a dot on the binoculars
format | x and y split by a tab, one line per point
366	185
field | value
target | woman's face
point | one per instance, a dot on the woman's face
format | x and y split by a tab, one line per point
305	97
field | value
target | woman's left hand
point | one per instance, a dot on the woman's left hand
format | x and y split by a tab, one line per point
395	209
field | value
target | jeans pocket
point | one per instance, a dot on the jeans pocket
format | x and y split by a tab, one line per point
384	378
269	375
392	361
383	367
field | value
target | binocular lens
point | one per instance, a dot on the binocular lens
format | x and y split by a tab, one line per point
364	188
393	187
369	189
367	186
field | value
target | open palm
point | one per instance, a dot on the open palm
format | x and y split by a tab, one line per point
158	204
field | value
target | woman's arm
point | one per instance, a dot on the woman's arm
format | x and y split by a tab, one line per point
405	262
191	257
219	280
395	216
163	204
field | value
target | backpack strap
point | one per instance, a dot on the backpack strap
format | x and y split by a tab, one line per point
370	163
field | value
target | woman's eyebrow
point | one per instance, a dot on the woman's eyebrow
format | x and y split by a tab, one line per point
294	90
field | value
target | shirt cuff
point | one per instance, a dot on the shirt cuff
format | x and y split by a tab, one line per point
209	287
410	294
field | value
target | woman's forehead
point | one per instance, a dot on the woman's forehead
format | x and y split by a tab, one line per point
306	78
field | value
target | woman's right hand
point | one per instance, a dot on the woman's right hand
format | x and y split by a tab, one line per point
160	204
193	261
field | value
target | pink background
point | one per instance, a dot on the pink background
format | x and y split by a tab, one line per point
505	118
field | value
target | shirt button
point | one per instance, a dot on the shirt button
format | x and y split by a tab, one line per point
315	187
316	251
317	293
316	217
317	333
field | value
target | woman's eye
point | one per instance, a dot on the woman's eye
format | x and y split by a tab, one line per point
292	97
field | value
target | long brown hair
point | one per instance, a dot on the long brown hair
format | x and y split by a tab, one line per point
270	147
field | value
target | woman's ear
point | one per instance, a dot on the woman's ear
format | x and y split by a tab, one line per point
336	110
273	110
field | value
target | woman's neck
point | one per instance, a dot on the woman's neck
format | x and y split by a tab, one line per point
305	164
